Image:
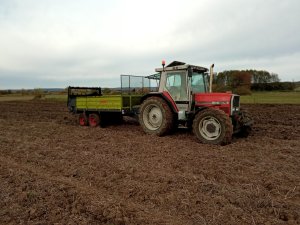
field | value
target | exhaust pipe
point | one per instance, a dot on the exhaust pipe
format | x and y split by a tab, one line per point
211	77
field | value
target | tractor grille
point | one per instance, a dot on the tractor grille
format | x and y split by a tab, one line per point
235	104
236	101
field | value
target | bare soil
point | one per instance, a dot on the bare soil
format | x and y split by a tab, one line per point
52	171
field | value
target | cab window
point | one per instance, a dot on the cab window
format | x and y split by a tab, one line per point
176	85
198	83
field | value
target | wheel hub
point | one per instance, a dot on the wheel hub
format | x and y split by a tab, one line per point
210	128
152	117
92	121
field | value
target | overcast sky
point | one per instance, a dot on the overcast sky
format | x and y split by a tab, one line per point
57	43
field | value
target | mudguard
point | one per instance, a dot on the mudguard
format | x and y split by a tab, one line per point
164	95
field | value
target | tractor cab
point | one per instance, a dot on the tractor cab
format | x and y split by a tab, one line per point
181	81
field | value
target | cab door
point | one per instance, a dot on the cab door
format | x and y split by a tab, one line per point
175	83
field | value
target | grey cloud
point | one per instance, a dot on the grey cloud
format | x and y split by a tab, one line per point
62	48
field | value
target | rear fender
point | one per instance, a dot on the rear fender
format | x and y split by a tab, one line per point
164	95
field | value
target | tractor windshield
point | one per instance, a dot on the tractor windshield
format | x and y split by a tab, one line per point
199	83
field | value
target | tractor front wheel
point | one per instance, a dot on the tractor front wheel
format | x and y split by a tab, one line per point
156	116
213	126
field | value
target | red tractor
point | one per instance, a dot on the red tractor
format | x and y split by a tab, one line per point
185	98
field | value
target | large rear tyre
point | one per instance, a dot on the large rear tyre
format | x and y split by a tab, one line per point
156	117
213	126
94	120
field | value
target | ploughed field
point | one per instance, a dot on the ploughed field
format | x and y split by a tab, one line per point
54	171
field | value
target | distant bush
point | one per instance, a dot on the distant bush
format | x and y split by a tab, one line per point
236	81
106	91
38	93
275	86
38	96
220	88
242	91
5	92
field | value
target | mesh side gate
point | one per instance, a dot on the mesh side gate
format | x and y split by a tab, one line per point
133	88
131	84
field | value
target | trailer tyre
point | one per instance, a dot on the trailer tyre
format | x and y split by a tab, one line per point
83	120
156	117
94	120
213	126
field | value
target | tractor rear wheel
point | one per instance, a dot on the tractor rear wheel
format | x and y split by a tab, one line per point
83	121
213	126
156	117
94	119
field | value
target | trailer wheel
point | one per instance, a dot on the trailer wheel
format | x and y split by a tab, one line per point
213	126
94	120
156	116
83	121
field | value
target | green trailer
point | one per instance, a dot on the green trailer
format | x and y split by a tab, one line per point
96	108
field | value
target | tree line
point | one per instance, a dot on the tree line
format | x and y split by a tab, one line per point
244	81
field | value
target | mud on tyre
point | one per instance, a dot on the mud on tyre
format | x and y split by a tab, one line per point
94	119
156	117
213	126
83	119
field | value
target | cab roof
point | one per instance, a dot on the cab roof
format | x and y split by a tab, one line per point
177	65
